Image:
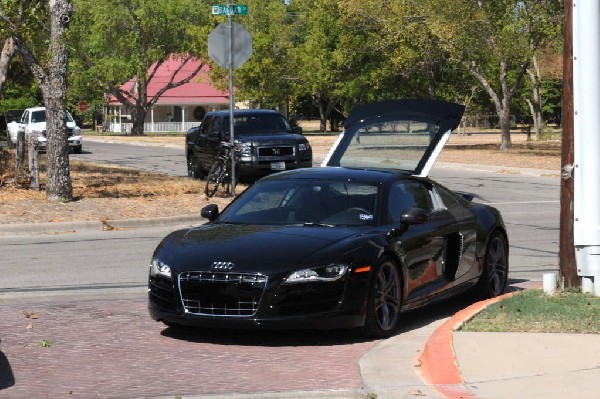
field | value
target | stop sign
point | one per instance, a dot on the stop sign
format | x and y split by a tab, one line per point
218	45
83	106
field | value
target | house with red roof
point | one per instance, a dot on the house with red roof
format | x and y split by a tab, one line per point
178	108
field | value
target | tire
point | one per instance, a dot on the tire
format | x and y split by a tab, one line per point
494	275
193	168
384	300
215	177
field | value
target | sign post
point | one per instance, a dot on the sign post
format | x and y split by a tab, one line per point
239	49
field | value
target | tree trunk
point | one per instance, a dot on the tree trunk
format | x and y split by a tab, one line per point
54	89
322	112
504	115
138	117
535	104
139	110
6	56
502	105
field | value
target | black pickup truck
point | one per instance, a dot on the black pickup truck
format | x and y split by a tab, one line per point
265	140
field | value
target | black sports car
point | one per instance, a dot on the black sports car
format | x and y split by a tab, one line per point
351	244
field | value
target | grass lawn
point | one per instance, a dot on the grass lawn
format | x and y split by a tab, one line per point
568	311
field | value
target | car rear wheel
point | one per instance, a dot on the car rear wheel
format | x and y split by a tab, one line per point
494	276
384	300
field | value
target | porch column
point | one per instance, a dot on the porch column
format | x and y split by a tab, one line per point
183	119
152	119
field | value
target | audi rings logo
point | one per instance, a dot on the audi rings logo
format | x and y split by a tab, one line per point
222	266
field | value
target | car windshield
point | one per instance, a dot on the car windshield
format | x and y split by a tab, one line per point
258	124
304	202
40	116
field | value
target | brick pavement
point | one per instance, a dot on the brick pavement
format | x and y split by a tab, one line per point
112	349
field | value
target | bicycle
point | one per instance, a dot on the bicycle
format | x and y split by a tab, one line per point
219	173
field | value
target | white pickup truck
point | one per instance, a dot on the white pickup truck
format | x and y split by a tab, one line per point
33	122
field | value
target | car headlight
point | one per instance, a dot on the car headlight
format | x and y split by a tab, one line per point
303	146
245	149
159	268
37	133
327	274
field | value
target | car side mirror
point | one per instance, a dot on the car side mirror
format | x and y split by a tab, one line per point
210	212
414	216
297	129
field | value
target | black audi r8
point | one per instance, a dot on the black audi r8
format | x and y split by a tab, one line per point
350	244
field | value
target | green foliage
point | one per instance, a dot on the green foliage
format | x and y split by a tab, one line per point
266	79
113	41
337	53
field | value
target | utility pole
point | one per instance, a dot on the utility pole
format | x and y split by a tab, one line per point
231	100
567	263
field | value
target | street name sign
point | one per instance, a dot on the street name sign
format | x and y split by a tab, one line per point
238	9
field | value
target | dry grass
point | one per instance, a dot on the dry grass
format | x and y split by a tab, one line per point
109	193
103	192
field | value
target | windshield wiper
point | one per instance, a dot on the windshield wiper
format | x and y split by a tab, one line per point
317	224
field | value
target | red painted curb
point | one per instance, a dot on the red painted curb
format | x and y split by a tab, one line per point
438	366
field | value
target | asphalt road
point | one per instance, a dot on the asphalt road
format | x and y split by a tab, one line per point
101	263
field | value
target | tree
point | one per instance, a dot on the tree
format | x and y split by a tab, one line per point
8	50
50	70
319	31
114	42
494	41
394	54
268	77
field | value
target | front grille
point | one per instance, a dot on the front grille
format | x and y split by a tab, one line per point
221	293
69	132
275	151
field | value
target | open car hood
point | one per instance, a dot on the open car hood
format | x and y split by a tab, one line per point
395	134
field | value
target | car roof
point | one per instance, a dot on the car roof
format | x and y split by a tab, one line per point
340	173
244	112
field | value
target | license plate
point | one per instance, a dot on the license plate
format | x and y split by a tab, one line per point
277	165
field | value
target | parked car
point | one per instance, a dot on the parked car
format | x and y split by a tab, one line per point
264	138
9	116
352	244
33	122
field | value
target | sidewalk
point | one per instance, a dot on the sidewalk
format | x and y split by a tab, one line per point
488	365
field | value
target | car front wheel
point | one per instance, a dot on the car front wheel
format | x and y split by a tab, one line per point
193	168
384	301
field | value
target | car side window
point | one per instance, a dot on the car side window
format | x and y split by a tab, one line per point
407	194
215	128
446	198
24	117
206	124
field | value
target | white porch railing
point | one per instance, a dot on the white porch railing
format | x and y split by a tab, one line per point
156	127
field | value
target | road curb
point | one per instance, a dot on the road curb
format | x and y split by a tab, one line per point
99	225
438	363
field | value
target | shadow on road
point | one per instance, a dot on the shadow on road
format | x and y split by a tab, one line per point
410	321
7	379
